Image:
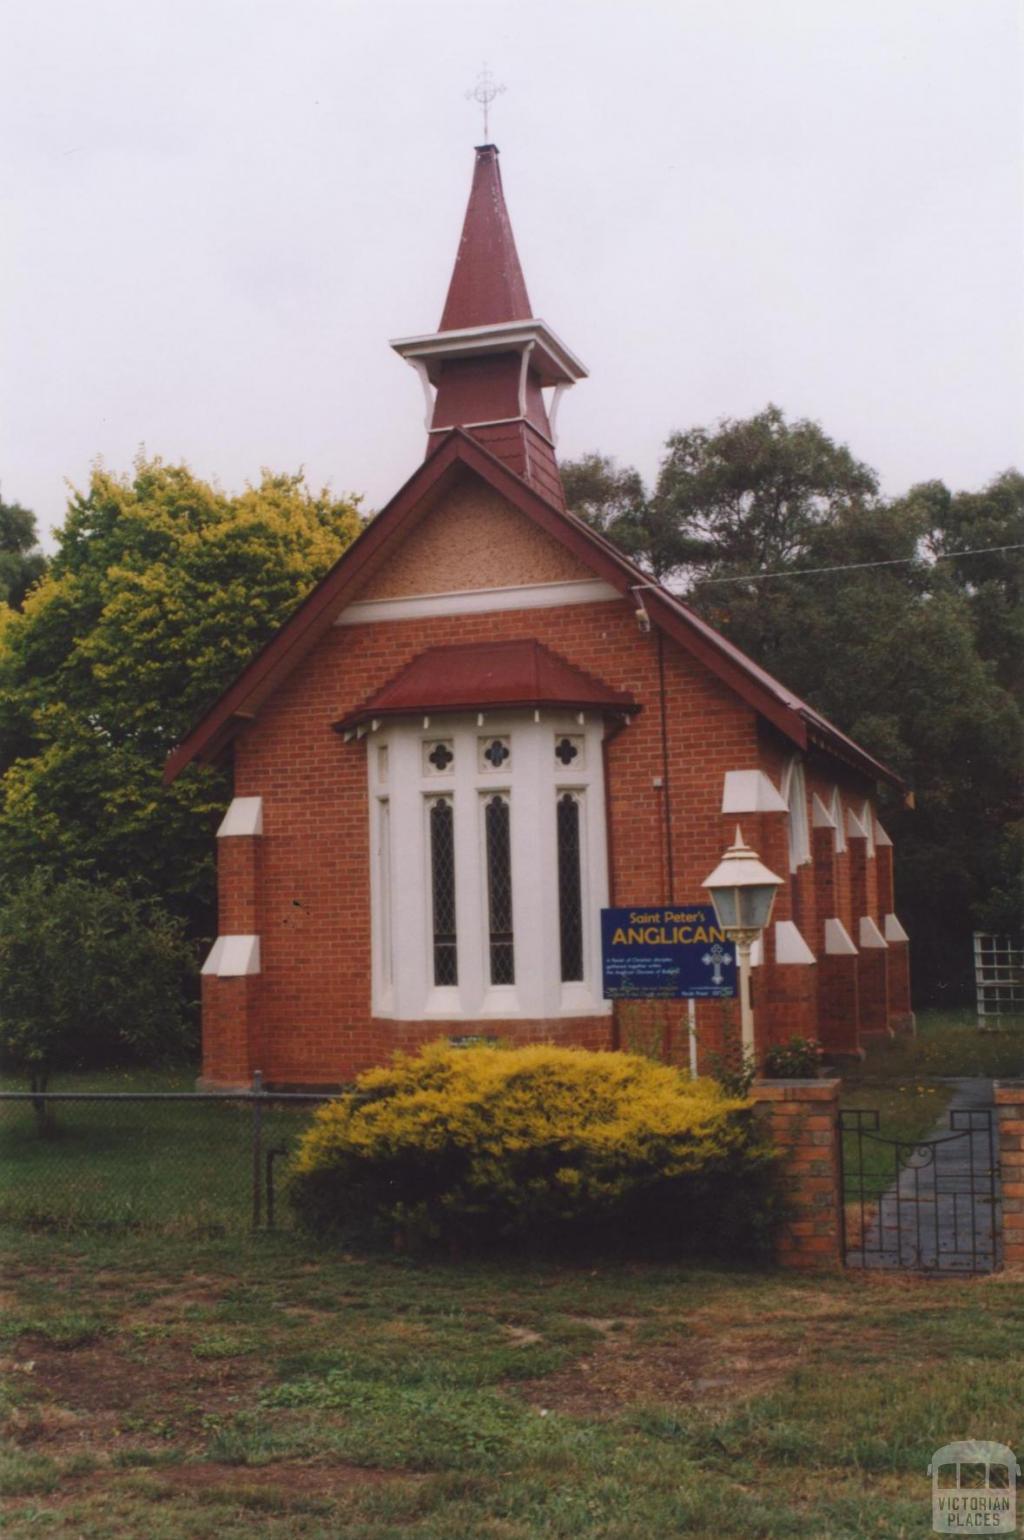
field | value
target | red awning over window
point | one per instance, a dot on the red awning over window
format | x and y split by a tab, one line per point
473	677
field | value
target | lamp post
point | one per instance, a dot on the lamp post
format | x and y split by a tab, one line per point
743	892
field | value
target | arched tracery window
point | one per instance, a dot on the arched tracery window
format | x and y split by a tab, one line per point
794	792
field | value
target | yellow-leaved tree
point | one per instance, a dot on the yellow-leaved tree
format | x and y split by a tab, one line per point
162	588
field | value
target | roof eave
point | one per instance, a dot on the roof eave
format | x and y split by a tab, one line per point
556	363
210	737
822	735
372	713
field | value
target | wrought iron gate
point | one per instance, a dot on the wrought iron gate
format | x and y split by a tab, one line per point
930	1206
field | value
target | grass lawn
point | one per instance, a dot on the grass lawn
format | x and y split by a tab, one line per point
184	1165
177	1390
946	1043
166	1374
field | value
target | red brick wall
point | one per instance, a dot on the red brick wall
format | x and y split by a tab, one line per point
873	989
231	1031
312	998
303	886
238	874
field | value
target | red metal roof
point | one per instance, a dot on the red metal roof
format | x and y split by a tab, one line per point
468	676
487	284
456	456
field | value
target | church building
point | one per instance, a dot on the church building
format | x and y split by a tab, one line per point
484	726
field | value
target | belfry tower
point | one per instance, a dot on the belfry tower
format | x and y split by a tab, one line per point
486	368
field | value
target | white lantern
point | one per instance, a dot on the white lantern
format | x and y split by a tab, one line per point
743	892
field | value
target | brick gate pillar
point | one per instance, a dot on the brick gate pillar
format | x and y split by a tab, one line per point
1009	1100
802	1117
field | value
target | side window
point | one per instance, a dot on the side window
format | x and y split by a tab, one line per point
498	851
570	886
441	816
794	790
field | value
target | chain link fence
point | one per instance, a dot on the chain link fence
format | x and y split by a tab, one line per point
180	1162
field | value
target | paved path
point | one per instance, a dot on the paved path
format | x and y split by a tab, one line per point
939	1216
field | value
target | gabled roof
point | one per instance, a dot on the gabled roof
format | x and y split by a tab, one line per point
467	676
457	456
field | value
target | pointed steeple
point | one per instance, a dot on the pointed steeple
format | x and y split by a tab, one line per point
491	359
487	284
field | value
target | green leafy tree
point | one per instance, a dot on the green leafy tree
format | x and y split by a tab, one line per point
88	976
162	588
22	563
918	659
610	498
992	520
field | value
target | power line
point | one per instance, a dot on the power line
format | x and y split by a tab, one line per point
858	566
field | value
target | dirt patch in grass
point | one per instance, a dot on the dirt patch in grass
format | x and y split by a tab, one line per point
520	1336
306	1480
101	1380
618	1373
306	1312
173	1304
604	1323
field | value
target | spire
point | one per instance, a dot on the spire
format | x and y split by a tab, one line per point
487	367
487	284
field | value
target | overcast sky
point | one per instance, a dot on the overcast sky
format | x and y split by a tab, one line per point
216	214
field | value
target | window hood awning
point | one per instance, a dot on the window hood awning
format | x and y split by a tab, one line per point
488	676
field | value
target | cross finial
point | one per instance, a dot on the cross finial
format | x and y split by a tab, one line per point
484	92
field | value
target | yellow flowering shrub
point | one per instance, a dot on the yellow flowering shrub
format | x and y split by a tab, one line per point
542	1143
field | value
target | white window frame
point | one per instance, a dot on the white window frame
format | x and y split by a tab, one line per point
794	794
867	818
532	779
835	807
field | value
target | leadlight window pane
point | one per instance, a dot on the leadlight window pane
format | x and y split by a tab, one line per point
438	755
570	888
442	885
494	753
499	890
384	885
569	749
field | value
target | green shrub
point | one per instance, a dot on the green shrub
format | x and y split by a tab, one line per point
89	976
797	1059
551	1147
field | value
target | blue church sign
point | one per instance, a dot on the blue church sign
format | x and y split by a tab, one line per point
675	953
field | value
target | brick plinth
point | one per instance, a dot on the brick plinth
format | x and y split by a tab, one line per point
230	1025
1009	1100
901	1015
802	1118
873	988
839	1018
